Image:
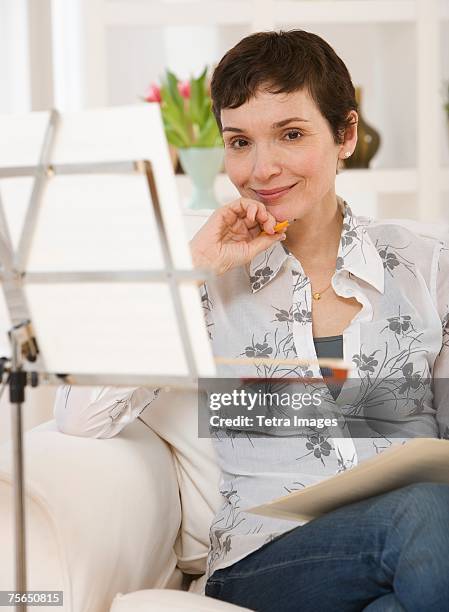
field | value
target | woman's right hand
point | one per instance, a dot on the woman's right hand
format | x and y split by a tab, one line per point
232	236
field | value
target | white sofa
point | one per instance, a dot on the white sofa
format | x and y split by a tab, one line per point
114	523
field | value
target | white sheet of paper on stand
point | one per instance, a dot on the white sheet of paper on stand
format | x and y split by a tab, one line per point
104	222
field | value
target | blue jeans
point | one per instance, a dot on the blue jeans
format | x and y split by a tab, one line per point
386	553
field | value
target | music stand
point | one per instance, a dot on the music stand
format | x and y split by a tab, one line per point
99	282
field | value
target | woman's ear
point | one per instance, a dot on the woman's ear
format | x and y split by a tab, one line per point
350	136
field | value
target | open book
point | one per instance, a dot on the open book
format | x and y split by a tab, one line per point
419	460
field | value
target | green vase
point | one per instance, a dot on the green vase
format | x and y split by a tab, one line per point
202	164
368	140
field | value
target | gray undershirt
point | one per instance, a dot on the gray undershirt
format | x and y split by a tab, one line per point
330	346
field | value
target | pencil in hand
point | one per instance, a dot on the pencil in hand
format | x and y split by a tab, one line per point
279	227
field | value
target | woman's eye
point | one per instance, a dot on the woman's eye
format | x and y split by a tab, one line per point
295	133
237	143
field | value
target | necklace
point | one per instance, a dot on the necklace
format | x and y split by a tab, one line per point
317	294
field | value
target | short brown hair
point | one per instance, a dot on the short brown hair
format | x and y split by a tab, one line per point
284	62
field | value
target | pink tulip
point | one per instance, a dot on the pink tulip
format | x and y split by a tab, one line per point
184	89
153	93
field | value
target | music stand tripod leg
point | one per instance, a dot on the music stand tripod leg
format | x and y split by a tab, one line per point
17	382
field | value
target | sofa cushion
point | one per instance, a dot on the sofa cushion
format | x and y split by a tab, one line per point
99	516
165	600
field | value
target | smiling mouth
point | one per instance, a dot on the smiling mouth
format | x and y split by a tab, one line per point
273	194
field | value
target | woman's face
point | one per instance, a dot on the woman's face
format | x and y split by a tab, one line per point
278	141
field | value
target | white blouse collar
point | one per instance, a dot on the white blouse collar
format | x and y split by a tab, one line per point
356	254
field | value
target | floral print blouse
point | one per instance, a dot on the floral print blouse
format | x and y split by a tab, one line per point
396	343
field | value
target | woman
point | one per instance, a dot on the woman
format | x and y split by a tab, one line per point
337	284
376	293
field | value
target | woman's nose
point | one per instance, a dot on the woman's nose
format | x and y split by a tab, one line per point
266	164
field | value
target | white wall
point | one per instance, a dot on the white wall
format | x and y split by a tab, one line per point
15	88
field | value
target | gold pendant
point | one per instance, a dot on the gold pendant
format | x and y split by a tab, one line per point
316	296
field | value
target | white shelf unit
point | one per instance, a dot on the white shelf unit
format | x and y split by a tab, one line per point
427	182
361	188
363	181
191	12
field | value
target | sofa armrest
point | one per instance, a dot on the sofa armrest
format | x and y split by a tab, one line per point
102	515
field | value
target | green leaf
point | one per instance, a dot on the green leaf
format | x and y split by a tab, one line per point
196	101
210	134
206	110
172	85
174	138
177	132
200	99
174	117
